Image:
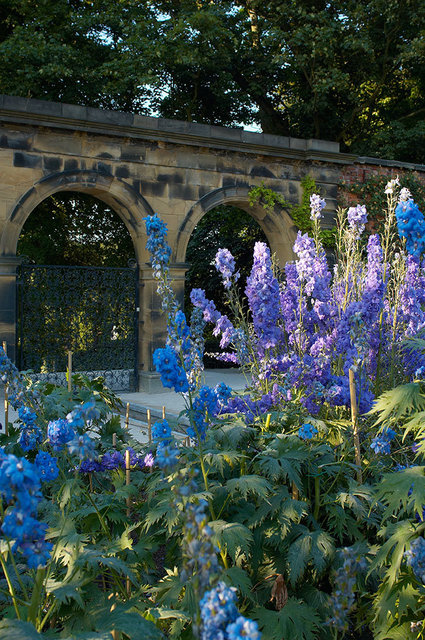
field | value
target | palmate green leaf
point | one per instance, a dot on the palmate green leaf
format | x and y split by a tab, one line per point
402	489
271	507
125	541
157	513
238	578
298	556
97	557
124	618
391	553
219	460
358	499
310	546
416	424
290	513
398	632
246	484
233	536
233	432
342	523
162	613
69	490
296	621
67	591
393	602
168	590
399	402
18	630
282	459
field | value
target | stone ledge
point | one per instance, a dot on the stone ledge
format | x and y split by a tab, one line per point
120	124
390	163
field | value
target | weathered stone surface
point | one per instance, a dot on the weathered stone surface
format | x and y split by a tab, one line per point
52	163
27	160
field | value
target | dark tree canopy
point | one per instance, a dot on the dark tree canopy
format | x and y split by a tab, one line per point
345	70
75	229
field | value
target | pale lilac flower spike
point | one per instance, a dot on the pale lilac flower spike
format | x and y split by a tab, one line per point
316	206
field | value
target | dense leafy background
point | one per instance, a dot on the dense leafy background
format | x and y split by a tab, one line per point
347	71
75	229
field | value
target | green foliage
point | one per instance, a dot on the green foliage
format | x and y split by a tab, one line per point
351	72
371	193
75	229
300	213
268	198
296	620
277	506
400	402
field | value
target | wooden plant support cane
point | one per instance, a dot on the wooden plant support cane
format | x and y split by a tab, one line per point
114	633
127	482
127	416
163	412
69	371
148	415
6	398
354	414
114	440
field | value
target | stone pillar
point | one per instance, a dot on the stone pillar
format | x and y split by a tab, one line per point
152	322
8	315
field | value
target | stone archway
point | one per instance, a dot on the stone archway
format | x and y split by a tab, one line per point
277	225
125	201
130	206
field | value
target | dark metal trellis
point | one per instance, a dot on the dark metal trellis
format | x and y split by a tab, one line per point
92	311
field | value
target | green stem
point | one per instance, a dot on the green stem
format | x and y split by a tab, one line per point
99	515
18	576
33	609
316	497
223	552
10	586
49	612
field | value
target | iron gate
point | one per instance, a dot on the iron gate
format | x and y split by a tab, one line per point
91	311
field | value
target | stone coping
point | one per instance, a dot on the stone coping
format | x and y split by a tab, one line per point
117	123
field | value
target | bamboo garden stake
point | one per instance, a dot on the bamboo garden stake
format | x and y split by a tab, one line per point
148	414
6	398
355	423
127	482
127	416
69	371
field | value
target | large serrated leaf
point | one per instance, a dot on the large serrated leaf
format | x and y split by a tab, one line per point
232	536
399	402
403	489
130	622
238	578
247	484
18	630
296	621
64	592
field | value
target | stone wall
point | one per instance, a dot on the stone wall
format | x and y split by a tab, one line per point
139	165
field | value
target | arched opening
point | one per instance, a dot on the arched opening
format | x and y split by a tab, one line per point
77	291
225	226
72	228
277	225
